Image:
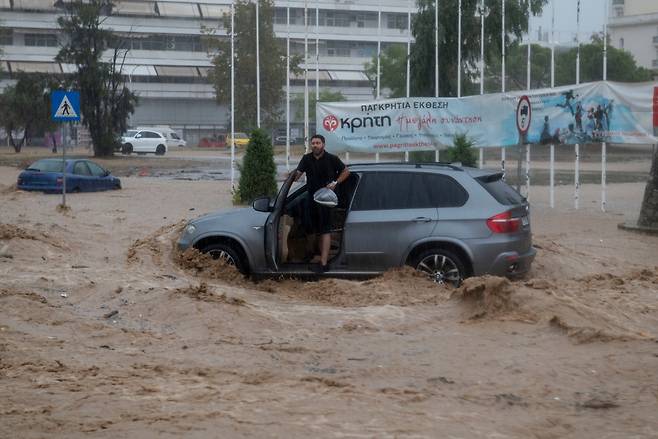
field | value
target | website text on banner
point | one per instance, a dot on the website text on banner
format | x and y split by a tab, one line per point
594	112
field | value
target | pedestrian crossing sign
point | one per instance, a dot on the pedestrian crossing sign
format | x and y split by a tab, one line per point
65	105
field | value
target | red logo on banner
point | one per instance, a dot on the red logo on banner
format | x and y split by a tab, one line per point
330	123
655	107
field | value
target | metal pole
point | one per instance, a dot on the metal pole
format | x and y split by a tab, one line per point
306	147
63	175
576	196
605	78
257	67
406	153
481	158
552	161
436	48
502	74
459	50
288	88
317	55
502	78
527	146
233	96
379	55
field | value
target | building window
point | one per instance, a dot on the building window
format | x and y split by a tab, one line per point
280	16
6	37
41	40
621	43
396	21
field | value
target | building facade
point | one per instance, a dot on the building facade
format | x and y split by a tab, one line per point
633	26
167	63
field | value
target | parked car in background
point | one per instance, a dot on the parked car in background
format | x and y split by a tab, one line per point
173	139
241	140
447	221
145	141
214	141
82	175
281	140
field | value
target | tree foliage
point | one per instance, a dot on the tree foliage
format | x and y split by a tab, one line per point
392	71
325	96
272	65
25	107
461	151
422	52
258	171
106	102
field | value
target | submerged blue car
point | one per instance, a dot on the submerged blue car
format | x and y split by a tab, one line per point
81	176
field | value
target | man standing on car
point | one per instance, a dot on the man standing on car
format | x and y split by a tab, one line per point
322	169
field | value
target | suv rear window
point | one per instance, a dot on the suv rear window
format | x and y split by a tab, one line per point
501	191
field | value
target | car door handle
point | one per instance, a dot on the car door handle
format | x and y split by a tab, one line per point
422	219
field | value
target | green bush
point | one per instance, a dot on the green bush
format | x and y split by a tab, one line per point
461	151
258	171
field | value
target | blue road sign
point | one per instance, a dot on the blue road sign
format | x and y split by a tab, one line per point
65	106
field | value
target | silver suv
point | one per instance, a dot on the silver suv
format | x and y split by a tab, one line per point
448	221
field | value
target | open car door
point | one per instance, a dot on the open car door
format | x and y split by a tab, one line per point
272	223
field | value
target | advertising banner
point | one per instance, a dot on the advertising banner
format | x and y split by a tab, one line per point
593	112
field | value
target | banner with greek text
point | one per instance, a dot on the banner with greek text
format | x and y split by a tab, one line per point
593	112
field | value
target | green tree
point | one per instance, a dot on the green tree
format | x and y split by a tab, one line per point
392	71
516	69
422	52
106	102
272	65
621	64
461	151
258	171
325	96
25	107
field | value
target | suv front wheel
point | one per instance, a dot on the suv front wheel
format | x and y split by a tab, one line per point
442	266
227	254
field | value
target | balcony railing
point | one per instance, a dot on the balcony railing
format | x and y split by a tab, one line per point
654	63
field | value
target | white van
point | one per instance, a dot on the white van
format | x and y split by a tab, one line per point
173	139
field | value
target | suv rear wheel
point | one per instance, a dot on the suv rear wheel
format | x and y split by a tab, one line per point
227	254
442	266
160	150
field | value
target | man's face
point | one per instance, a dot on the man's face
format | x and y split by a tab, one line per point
317	146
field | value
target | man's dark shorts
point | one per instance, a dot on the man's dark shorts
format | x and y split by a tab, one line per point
320	218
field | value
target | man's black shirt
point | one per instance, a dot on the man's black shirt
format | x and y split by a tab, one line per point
320	172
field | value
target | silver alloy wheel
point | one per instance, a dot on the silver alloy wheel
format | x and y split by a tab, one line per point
441	269
222	255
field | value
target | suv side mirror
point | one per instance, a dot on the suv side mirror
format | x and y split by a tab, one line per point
262	204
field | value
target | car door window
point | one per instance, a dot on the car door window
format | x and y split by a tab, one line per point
96	170
444	191
80	168
391	190
151	135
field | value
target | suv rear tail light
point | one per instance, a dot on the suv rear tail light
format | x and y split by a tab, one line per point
504	223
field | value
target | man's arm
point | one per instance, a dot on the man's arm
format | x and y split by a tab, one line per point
341	178
298	174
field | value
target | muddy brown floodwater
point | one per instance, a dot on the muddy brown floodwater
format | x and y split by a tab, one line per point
106	331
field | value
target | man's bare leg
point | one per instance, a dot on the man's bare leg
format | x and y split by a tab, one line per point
325	244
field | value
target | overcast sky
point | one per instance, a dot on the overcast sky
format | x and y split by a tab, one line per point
592	17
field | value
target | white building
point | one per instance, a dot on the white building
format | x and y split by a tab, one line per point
633	26
167	63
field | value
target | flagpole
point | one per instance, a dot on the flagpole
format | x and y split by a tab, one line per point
436	62
317	54
257	67
379	56
552	158
459	50
527	150
481	161
306	75
605	78
232	95
406	153
502	78
288	88
576	195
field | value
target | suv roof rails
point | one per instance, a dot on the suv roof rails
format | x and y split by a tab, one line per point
412	164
